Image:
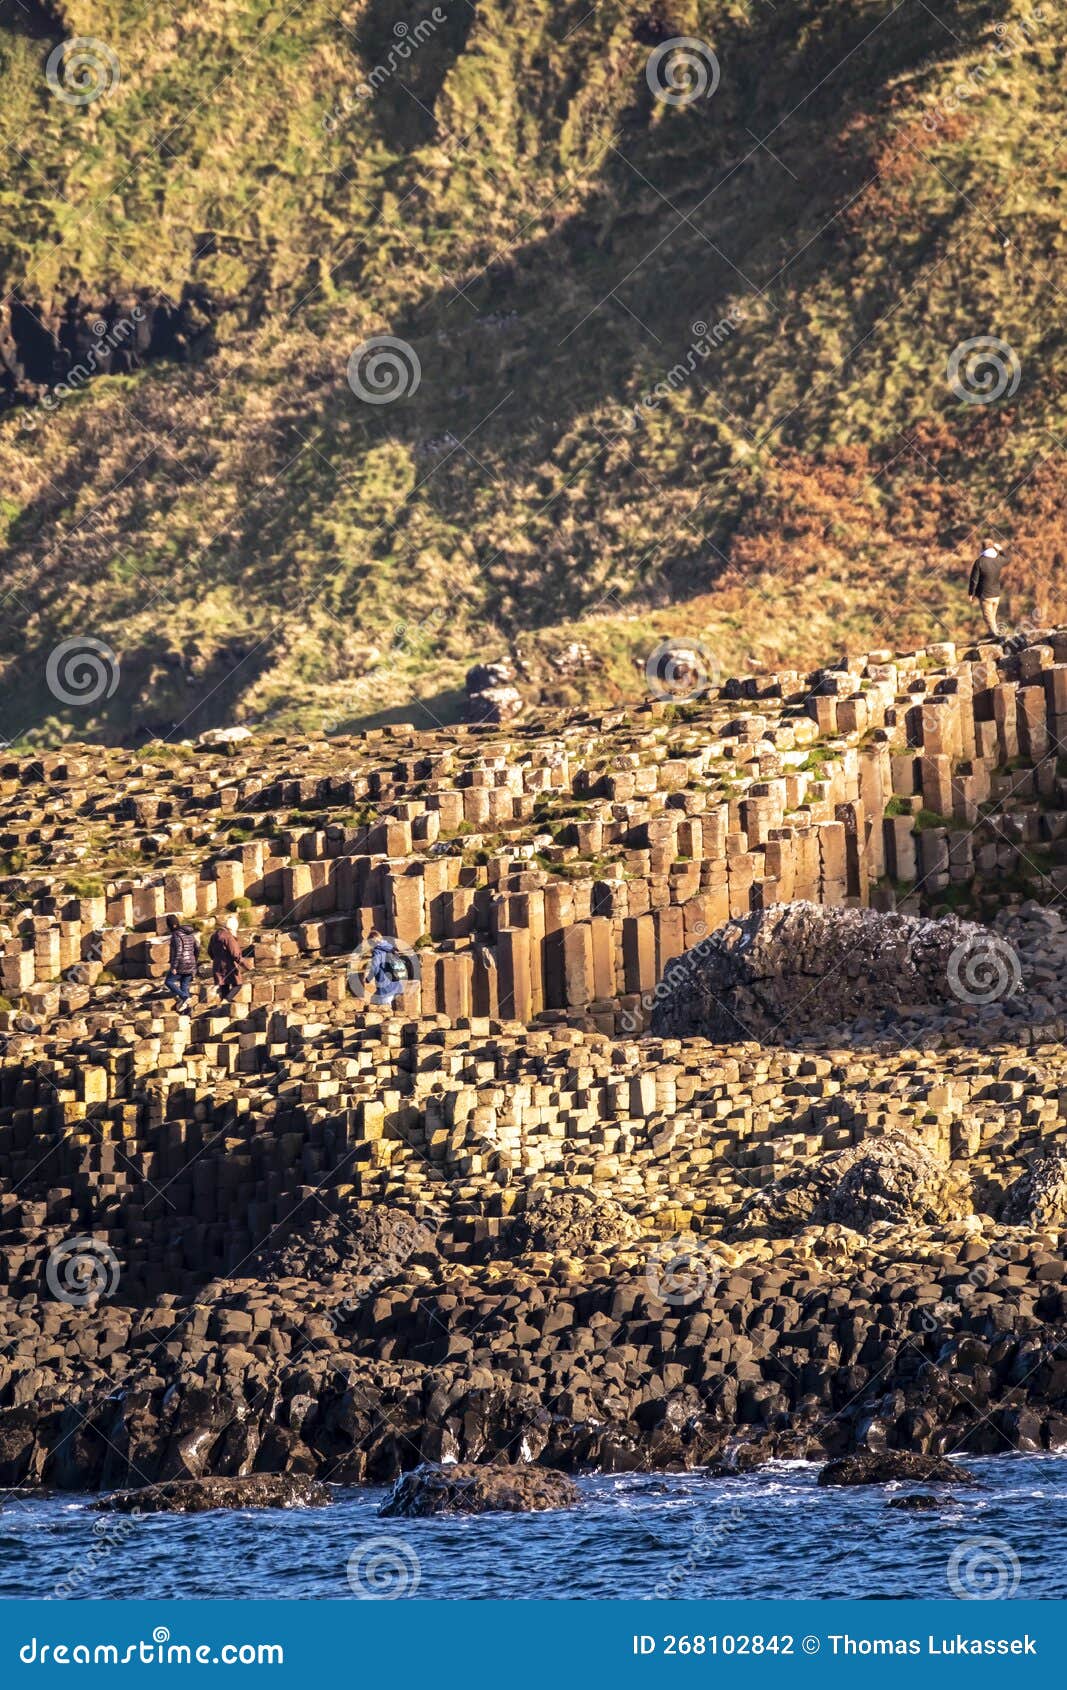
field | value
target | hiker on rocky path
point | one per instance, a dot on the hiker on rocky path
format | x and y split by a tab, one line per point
387	971
985	586
227	958
181	966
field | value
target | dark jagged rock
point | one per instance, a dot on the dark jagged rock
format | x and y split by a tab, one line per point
1039	1197
198	1496
47	352
466	1489
891	1464
764	976
574	1222
889	1179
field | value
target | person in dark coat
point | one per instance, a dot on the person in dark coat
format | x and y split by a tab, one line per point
227	958
985	585
181	965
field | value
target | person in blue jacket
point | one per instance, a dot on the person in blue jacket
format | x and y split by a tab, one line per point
387	971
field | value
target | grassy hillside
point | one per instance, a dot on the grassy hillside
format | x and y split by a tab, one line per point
684	366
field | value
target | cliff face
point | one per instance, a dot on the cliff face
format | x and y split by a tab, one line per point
749	366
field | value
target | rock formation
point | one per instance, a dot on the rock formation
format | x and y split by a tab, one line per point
199	1496
478	1490
502	1221
794	969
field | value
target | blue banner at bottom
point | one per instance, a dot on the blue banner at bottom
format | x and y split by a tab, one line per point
534	1644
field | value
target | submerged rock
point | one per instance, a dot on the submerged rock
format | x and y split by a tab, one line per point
466	1489
920	1502
890	1464
197	1496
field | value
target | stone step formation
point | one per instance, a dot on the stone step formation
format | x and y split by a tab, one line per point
533	1209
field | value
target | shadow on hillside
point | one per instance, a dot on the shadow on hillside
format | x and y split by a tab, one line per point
601	309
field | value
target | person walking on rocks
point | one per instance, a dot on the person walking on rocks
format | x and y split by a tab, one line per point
387	970
227	958
181	966
985	586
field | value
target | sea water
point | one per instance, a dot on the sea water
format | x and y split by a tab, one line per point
773	1533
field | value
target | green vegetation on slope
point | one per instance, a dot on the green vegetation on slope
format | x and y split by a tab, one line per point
673	380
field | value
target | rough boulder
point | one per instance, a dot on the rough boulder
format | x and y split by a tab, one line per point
890	1179
466	1489
796	968
197	1496
1039	1197
572	1223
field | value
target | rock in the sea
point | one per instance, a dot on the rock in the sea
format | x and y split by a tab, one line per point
796	968
890	1464
197	1496
885	1179
920	1502
466	1489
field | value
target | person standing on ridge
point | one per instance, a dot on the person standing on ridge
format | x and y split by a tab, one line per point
227	958
985	586
181	966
